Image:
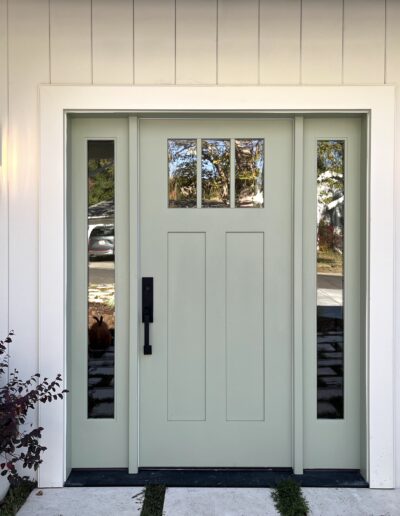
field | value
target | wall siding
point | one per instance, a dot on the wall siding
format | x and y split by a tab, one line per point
196	42
154	41
3	172
112	26
364	42
238	42
28	25
71	41
280	41
322	29
163	42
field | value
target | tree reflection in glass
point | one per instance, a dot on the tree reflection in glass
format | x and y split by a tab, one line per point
101	279
215	173
182	173
330	279
249	173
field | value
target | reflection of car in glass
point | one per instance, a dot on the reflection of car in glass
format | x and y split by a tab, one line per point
101	241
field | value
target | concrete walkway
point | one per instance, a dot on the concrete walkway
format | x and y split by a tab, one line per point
84	501
114	501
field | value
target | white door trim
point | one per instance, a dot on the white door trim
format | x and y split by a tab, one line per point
378	101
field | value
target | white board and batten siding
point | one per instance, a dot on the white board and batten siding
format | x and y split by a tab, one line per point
163	42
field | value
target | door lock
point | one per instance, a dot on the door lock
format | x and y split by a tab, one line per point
147	312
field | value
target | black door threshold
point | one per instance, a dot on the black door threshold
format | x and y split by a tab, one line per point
213	477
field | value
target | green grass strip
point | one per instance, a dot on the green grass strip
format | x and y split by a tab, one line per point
289	500
153	500
15	498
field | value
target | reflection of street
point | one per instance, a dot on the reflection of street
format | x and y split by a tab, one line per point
330	345
101	271
101	291
329	289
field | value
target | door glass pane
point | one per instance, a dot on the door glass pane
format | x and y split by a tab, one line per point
101	278
249	173
182	173
330	278
215	173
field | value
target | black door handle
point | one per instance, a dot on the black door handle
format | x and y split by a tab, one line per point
147	312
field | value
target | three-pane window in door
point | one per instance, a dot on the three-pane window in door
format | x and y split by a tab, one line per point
101	278
216	172
330	278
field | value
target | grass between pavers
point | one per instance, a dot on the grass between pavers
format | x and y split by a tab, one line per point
153	500
15	498
289	500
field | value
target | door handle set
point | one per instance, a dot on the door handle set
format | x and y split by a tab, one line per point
147	312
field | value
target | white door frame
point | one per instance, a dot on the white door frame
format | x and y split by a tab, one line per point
377	101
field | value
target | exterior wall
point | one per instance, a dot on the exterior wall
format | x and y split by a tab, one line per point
125	42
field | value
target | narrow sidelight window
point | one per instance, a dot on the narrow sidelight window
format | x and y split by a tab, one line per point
330	279
101	278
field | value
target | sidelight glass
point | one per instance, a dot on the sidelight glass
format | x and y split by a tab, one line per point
330	278
215	173
182	173
101	278
249	173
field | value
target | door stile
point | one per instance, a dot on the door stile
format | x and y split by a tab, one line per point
134	309
298	296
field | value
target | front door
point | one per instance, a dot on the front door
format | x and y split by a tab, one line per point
216	236
216	228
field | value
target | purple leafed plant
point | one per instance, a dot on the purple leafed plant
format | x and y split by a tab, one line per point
20	443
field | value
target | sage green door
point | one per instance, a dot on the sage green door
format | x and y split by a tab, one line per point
98	268
333	288
216	236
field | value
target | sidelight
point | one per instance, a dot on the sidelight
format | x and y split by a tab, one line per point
101	278
330	279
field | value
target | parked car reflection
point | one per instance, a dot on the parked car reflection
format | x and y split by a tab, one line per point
101	241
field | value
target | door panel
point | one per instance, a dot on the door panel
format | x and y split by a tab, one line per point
216	392
332	285
98	244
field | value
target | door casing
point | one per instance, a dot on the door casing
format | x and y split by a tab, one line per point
377	102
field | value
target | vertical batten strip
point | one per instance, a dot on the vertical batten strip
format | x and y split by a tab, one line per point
298	297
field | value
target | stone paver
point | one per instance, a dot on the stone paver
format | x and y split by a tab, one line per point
353	502
84	501
215	501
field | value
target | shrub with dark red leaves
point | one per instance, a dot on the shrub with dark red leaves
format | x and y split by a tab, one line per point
19	442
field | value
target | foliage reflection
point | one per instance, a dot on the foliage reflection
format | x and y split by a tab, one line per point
249	173
215	173
182	171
